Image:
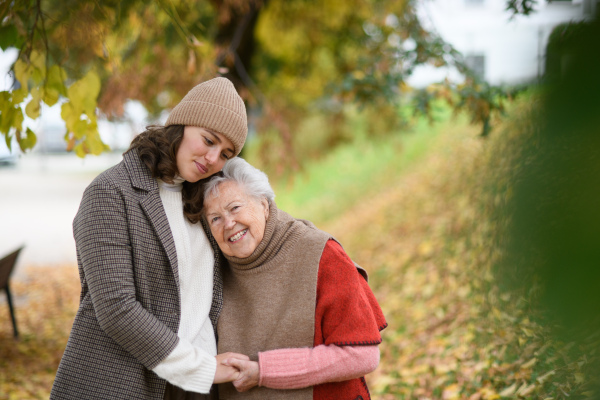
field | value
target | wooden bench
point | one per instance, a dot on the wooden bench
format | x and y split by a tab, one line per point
7	265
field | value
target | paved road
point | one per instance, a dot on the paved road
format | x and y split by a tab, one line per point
38	200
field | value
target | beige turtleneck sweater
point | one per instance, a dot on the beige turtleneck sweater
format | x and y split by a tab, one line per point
269	298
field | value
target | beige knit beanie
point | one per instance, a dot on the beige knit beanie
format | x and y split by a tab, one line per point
215	105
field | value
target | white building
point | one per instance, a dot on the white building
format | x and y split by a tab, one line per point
500	48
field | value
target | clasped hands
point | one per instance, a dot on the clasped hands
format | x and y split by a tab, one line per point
237	369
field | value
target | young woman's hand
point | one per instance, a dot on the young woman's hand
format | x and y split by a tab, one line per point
227	372
249	373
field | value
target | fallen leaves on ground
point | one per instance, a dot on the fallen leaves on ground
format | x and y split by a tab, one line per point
46	302
428	242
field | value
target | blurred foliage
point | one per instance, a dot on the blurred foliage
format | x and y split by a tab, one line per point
553	222
523	7
290	60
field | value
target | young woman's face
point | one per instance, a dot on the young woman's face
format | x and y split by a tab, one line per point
237	220
202	153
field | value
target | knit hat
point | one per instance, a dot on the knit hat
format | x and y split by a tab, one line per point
215	105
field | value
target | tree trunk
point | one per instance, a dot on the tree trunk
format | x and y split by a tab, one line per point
235	37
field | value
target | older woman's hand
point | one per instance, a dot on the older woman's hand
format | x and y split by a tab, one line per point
227	372
248	376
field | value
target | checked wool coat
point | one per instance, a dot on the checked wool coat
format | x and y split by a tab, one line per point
129	306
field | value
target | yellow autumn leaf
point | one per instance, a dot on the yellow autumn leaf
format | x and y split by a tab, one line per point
525	390
27	140
33	109
84	92
451	392
509	391
542	379
489	394
80	150
529	363
358	74
527	332
22	74
382	382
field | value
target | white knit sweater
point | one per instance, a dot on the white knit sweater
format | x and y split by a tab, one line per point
192	364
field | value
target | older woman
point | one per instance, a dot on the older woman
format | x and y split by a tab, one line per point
293	301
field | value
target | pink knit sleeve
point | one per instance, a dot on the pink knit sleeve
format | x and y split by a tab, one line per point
303	367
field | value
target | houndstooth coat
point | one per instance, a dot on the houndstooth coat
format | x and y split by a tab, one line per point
129	307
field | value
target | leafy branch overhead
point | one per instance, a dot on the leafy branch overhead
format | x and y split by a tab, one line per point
285	57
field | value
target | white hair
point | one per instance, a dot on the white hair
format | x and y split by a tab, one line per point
238	170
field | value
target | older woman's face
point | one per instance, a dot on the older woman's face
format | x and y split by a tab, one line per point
236	220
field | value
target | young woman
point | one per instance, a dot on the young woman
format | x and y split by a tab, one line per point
151	289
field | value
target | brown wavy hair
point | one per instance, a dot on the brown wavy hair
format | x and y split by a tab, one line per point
157	147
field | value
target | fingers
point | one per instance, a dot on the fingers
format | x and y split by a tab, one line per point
230	355
225	374
249	374
237	368
235	362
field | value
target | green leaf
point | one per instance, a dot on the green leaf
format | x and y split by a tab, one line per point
29	141
5	106
19	95
54	86
9	37
38	62
84	92
55	80
70	115
22	73
80	150
8	140
33	107
18	118
80	129
94	144
12	117
50	96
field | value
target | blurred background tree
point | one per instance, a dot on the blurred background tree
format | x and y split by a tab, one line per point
288	59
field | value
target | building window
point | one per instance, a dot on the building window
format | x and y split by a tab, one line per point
476	62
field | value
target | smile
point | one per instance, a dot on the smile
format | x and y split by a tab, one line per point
238	236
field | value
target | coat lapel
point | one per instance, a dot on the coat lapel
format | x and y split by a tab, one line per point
152	205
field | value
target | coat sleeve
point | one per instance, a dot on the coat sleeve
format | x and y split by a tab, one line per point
101	230
347	311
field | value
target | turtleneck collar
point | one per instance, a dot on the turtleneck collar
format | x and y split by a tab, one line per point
176	186
276	228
